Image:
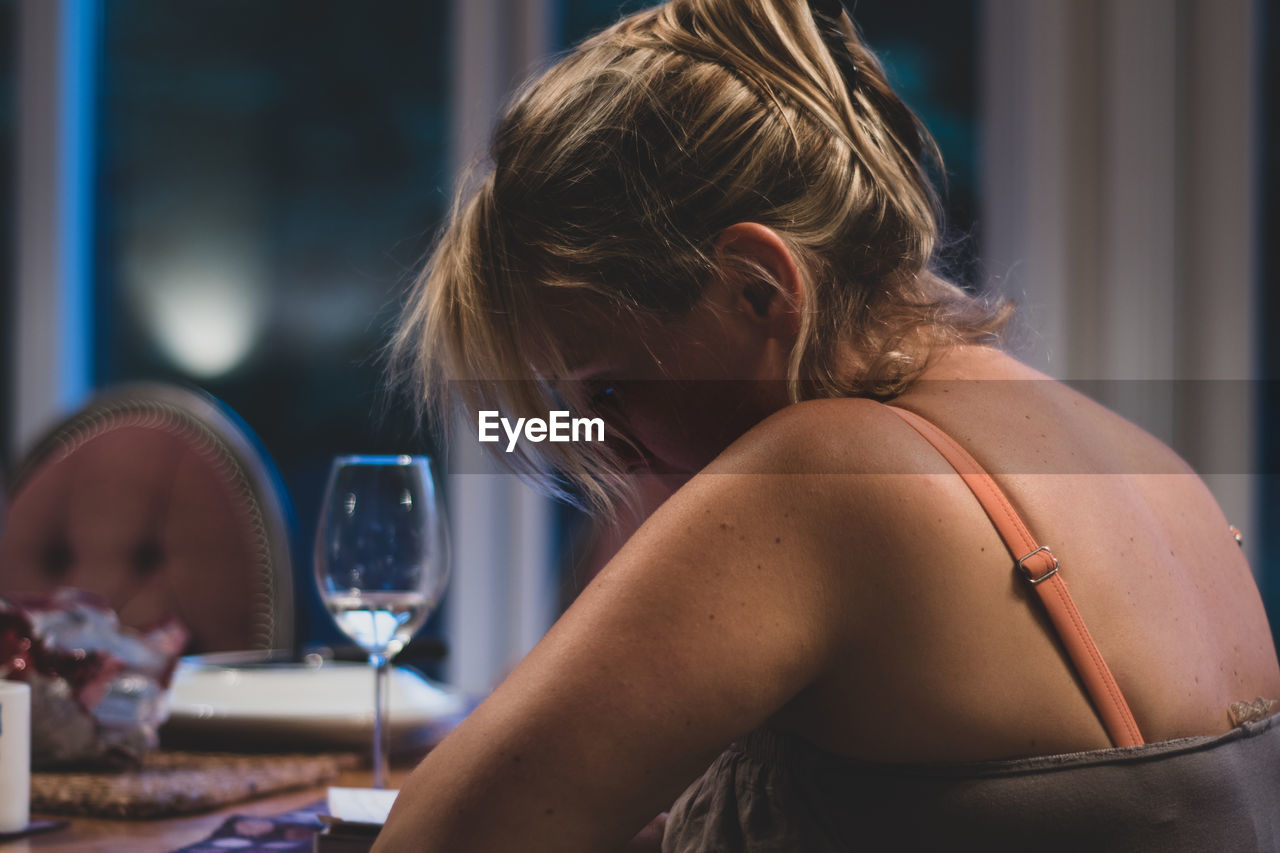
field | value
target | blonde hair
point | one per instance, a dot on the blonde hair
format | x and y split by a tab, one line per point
613	174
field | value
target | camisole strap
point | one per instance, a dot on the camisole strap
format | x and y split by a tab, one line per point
1041	569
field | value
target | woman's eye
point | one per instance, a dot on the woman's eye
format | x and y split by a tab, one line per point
607	395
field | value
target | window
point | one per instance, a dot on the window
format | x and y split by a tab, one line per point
930	53
270	177
1269	316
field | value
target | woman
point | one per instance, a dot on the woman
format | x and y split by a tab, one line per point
709	226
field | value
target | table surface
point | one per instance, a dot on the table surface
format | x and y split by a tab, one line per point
104	835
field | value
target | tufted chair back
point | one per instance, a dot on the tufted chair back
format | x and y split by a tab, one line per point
157	498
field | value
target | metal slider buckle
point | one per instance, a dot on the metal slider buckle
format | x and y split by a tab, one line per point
1027	572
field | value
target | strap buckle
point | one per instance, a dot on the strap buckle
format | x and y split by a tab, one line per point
1020	565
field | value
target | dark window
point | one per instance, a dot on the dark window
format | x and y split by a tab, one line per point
930	53
1269	316
581	18
271	175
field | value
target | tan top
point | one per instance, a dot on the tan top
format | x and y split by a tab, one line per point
775	792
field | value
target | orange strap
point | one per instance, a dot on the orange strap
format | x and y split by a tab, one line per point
1040	567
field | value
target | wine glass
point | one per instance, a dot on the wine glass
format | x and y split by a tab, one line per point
380	562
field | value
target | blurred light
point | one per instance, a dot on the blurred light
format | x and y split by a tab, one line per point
206	320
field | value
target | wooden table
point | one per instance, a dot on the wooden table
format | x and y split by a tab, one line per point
104	835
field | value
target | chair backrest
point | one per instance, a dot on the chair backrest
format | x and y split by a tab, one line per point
159	499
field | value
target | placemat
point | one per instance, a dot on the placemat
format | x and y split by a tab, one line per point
175	783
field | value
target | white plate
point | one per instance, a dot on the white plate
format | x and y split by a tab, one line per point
301	704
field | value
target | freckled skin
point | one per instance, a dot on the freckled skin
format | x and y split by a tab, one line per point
887	624
647	672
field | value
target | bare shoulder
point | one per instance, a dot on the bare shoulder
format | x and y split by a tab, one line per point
817	477
729	602
828	436
800	517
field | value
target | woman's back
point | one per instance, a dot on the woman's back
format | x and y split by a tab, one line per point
707	213
949	657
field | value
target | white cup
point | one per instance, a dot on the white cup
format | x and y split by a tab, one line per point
15	756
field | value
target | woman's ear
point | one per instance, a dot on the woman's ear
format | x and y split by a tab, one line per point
771	290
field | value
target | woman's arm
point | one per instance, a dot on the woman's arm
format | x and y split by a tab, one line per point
716	613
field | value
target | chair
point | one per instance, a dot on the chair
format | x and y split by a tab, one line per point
159	499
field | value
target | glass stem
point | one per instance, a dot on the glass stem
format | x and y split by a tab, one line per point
380	742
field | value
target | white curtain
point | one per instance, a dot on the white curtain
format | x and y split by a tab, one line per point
502	595
57	44
1119	208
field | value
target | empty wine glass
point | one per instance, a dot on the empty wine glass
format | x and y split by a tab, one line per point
380	562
